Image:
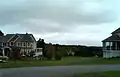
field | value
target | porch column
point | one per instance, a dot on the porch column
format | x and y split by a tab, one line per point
110	53
110	45
116	45
3	52
104	45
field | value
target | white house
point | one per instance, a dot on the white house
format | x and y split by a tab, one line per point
111	45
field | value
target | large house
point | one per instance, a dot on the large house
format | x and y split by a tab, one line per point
26	42
111	45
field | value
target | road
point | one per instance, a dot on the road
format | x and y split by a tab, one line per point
55	71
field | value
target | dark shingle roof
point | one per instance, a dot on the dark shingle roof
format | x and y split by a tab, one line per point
116	31
112	38
1	38
5	38
18	37
26	37
14	37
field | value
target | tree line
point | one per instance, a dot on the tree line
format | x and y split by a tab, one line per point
53	50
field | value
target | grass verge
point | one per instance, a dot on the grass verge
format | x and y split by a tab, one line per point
64	61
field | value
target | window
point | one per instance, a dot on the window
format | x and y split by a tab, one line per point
31	44
5	44
12	43
19	44
23	44
28	44
108	45
2	44
8	43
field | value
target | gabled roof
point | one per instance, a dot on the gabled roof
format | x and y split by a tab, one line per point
112	38
116	31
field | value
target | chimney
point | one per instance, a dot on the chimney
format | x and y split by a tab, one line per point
26	33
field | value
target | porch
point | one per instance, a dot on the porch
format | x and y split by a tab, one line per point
5	51
111	49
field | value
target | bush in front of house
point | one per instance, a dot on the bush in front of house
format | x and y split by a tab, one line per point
15	53
3	58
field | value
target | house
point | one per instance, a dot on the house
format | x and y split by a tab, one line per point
26	42
111	45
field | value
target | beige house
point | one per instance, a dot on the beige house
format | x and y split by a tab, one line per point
26	42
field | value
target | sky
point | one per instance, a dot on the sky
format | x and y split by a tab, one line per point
78	22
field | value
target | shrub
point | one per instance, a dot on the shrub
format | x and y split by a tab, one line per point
15	53
3	58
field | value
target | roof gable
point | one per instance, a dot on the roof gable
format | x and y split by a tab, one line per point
112	38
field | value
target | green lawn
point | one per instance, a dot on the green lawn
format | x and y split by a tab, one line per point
100	74
64	61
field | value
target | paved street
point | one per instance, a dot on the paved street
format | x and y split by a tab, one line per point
54	71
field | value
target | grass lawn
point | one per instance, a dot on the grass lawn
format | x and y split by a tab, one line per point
64	61
100	74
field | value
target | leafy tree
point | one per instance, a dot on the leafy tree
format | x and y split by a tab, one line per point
1	33
41	44
50	51
15	54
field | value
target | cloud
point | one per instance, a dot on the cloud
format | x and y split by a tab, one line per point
69	20
59	11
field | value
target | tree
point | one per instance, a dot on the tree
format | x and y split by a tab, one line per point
41	44
58	55
1	33
15	54
50	51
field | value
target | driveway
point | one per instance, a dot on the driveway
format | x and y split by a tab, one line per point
55	71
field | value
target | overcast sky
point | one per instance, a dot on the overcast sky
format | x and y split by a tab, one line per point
83	22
